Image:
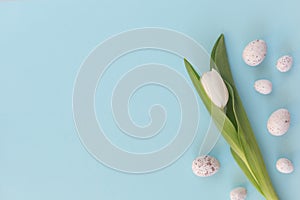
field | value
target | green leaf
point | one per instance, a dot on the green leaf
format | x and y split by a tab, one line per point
246	171
213	53
247	162
220	59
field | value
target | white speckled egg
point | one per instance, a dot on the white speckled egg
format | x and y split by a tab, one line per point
238	193
255	52
263	86
279	122
284	165
205	166
284	63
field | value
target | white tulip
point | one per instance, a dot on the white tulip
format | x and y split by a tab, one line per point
215	88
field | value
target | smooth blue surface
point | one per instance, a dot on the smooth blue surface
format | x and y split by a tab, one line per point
42	45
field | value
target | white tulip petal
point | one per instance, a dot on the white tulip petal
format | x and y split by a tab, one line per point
215	88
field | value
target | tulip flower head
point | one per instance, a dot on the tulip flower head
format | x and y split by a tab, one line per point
215	88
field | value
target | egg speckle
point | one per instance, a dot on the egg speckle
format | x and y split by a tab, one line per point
205	166
284	63
284	165
239	193
279	122
263	86
255	52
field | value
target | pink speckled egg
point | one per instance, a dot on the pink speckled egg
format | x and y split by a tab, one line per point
284	63
255	52
284	166
279	122
238	193
205	166
263	86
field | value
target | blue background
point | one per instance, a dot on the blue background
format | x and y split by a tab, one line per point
42	45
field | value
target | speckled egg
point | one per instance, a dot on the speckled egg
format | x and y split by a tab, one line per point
279	122
255	52
263	86
284	63
284	165
239	193
205	166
